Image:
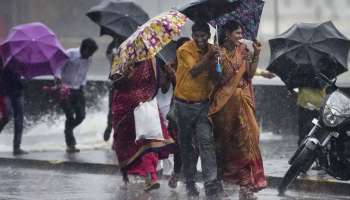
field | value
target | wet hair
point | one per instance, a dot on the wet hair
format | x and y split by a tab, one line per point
90	44
201	26
229	27
181	41
115	43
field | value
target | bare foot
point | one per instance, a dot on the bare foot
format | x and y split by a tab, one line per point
124	186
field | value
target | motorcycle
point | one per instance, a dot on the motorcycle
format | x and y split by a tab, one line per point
326	141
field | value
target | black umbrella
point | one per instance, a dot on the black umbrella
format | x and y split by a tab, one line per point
118	18
206	10
307	49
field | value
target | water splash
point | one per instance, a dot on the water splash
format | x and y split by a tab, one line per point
47	134
270	136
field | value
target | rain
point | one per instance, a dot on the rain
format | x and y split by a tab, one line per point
49	172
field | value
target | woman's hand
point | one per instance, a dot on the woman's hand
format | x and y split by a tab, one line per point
247	55
257	47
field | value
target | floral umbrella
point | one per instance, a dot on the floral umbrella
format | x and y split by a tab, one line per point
248	13
148	40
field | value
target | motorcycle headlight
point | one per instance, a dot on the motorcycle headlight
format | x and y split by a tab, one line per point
332	117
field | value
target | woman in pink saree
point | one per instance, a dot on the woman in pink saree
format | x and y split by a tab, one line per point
139	158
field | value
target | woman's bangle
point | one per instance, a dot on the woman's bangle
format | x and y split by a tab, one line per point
255	59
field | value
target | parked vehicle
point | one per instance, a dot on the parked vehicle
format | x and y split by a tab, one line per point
326	141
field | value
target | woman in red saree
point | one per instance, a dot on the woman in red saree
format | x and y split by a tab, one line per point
233	115
140	158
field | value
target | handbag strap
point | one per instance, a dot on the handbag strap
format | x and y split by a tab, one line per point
154	66
156	75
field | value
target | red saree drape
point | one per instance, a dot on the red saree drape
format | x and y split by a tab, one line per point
137	157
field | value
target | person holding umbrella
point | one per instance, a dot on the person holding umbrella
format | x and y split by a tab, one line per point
135	74
73	75
12	93
110	52
195	63
232	111
30	50
118	19
140	158
300	55
3	99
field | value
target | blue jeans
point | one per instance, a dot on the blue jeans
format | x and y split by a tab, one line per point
5	119
14	106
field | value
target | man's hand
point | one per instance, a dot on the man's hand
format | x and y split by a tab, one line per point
130	71
267	74
57	81
292	94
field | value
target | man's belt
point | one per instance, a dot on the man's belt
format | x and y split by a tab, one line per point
190	102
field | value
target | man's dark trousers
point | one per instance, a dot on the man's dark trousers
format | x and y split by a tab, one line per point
74	109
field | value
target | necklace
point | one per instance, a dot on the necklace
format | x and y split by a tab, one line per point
231	59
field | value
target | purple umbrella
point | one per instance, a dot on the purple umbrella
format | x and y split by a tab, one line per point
248	13
32	50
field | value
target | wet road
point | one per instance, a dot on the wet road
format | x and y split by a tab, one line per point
29	184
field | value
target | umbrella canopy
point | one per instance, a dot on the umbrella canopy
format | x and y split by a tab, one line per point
205	10
168	53
32	50
148	40
118	18
307	49
247	12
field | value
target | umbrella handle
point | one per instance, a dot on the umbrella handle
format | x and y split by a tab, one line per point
218	67
324	78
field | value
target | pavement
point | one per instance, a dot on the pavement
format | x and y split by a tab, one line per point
35	184
275	151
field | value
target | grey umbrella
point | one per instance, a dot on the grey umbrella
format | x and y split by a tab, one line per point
306	50
118	18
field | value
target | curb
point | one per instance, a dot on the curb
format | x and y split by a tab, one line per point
307	185
84	167
313	185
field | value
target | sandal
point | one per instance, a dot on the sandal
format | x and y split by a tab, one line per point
246	193
151	186
172	183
